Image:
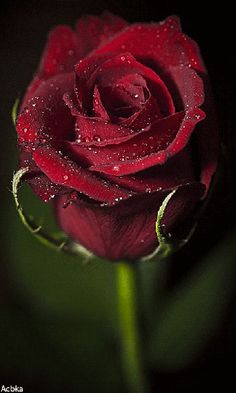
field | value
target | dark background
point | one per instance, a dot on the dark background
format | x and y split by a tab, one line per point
58	329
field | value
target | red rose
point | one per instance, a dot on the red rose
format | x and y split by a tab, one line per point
116	117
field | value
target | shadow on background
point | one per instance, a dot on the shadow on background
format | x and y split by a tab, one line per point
58	329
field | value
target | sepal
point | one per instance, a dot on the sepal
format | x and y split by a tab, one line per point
167	245
58	242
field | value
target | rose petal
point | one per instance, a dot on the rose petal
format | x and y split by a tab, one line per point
124	231
84	71
165	138
59	56
46	114
107	69
95	131
127	96
98	108
208	144
92	131
127	230
65	47
140	120
113	69
189	86
179	212
95	30
44	188
177	171
163	41
65	172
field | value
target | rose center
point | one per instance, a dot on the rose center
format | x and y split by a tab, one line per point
124	97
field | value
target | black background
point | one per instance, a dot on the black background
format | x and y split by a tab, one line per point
23	29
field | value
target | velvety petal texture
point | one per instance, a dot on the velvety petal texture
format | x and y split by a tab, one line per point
117	116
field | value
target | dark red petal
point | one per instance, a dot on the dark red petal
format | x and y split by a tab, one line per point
26	160
44	188
189	86
98	108
149	113
60	55
164	139
113	69
97	132
163	41
125	231
180	209
178	170
46	113
94	30
208	143
84	71
65	172
129	90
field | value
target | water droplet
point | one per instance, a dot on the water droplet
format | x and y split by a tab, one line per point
118	199
65	177
97	138
148	189
116	168
25	129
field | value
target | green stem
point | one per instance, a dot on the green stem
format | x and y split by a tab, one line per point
132	357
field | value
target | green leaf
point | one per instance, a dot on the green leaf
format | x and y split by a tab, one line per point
191	315
58	243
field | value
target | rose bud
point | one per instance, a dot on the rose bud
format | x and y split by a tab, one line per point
118	116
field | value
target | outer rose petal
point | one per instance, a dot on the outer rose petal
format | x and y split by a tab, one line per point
93	30
46	113
208	138
125	231
45	189
189	86
162	41
60	54
64	172
65	47
178	170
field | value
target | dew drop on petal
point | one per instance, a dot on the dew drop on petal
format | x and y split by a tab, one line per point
97	138
116	168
